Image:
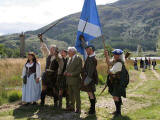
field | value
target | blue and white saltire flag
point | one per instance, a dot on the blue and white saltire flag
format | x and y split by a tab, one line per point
89	25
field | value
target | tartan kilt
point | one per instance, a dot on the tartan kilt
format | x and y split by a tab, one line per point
89	88
61	82
49	79
116	89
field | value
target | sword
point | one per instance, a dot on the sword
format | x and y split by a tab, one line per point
40	34
103	90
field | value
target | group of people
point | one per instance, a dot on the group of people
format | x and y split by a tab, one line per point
65	76
145	64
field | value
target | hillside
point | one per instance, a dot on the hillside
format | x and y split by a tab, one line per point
125	24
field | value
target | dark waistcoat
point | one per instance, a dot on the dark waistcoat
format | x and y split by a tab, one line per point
31	70
52	65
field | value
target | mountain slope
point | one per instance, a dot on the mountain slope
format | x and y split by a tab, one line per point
125	24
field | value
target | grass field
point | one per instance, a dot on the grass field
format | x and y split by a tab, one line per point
142	102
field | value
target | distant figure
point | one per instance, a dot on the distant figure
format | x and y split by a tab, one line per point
146	63
142	65
154	63
31	90
149	63
135	64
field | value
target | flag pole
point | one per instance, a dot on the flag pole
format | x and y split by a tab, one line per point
85	26
103	40
104	45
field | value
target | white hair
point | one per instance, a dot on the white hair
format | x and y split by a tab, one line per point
53	46
73	49
122	58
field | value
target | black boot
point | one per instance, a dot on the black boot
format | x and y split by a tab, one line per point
121	101
55	102
60	102
67	101
114	113
118	108
92	109
90	104
43	95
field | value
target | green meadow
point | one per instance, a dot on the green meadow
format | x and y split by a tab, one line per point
142	102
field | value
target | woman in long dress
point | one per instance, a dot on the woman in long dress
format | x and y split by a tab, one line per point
31	90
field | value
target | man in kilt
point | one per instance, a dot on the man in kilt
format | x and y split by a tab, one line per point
49	77
90	77
61	80
116	78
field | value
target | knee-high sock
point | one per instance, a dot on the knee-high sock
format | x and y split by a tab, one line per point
118	107
93	104
43	95
67	101
60	101
120	100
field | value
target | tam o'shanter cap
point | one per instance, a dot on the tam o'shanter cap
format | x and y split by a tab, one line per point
117	52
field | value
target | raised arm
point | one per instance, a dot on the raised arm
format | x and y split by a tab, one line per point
44	48
107	58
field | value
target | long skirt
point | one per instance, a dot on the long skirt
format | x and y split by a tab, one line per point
31	91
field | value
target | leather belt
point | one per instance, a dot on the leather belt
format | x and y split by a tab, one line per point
49	70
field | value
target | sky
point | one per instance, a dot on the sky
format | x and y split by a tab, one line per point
23	15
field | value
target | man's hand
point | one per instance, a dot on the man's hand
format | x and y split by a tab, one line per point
37	80
67	74
106	53
40	37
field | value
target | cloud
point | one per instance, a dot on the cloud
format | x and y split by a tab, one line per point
7	28
1	34
18	13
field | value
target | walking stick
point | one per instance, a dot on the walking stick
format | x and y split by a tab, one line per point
103	40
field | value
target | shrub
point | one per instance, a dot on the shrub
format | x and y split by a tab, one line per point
101	79
14	96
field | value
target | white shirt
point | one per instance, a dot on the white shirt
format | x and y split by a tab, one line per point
92	55
117	67
38	69
45	50
69	61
